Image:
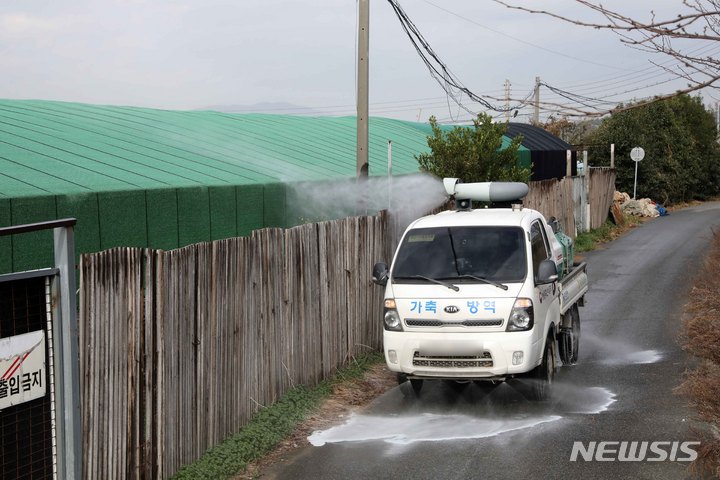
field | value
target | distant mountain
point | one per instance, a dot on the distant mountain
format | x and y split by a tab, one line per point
280	108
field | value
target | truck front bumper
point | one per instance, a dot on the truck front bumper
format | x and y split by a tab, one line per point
461	355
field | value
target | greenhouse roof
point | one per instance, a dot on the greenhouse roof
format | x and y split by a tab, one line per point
52	148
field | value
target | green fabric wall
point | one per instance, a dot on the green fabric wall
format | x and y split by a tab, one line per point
223	212
30	250
274	205
250	208
163	218
193	215
6	241
123	219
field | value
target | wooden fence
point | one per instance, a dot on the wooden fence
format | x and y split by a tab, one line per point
554	198
601	191
568	199
179	348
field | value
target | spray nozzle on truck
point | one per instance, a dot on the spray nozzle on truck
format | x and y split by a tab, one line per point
482	295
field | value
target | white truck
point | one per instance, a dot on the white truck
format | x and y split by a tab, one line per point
483	295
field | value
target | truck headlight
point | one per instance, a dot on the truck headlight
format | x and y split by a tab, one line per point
521	317
391	318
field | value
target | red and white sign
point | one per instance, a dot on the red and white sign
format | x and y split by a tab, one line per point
22	368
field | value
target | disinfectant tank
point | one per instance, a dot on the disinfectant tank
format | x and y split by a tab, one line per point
568	247
568	250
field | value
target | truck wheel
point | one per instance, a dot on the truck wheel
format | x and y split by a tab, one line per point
542	376
576	334
569	341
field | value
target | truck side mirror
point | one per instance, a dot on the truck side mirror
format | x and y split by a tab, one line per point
380	274
547	273
554	224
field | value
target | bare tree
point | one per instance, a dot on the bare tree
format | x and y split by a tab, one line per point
675	37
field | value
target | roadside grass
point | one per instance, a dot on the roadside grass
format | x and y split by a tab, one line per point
607	232
270	425
701	338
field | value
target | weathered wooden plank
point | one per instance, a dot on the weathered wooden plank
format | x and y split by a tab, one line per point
601	190
160	311
145	463
208	333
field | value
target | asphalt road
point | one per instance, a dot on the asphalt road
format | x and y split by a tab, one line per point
620	390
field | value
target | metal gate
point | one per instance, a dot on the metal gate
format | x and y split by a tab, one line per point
25	428
39	384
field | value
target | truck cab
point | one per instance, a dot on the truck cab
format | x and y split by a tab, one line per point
476	295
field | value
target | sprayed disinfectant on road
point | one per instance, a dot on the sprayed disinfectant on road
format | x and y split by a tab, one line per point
636	358
614	352
427	427
411	428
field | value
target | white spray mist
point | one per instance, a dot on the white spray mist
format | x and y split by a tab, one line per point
406	197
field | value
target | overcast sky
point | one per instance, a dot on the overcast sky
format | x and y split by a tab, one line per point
190	54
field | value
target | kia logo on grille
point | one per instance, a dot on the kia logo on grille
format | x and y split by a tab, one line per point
452	309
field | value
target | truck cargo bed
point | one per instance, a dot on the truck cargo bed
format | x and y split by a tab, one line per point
573	287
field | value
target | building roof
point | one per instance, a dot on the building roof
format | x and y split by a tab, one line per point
51	148
536	138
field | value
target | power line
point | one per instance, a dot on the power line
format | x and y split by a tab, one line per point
629	86
439	70
585	95
650	70
525	42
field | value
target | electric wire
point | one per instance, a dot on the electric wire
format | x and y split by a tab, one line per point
618	85
525	42
440	71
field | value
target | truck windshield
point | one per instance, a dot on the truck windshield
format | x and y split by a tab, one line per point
458	253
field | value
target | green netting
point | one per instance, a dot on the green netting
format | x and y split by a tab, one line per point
83	207
6	241
35	249
250	208
162	218
122	219
274	205
193	215
223	212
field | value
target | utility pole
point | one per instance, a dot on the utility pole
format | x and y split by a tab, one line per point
536	113
507	100
363	74
717	120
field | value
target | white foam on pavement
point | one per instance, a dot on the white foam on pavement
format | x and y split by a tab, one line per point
427	427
